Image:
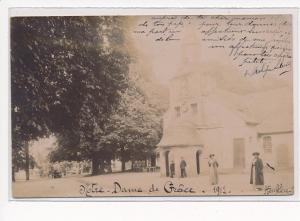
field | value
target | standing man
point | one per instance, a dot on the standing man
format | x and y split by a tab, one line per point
182	168
257	175
172	169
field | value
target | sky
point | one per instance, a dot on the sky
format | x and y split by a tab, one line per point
40	149
165	59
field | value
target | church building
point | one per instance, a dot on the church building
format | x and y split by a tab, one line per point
204	118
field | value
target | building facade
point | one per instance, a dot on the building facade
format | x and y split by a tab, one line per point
204	119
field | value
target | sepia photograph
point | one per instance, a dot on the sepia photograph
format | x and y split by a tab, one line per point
152	106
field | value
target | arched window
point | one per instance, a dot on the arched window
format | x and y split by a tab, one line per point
267	144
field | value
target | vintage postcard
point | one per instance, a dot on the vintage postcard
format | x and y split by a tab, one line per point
152	105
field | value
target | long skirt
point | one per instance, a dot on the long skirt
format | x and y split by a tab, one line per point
213	176
256	186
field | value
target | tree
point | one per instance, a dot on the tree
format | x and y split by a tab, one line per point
62	69
22	160
135	127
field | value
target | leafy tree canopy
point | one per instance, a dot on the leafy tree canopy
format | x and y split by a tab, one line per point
64	68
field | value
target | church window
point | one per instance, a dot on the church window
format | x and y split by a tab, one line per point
267	144
177	111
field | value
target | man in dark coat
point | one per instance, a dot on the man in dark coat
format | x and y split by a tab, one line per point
172	169
257	175
182	168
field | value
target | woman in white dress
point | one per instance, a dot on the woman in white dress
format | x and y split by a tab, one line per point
213	170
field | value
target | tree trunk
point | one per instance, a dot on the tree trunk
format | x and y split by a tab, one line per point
102	165
95	166
27	159
123	165
109	166
132	165
13	174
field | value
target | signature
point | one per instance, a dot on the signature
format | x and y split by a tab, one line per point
279	189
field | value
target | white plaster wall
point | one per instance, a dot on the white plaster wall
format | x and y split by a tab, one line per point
220	141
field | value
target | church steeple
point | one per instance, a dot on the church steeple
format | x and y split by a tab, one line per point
190	51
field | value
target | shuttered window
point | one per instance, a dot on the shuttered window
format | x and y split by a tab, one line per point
267	144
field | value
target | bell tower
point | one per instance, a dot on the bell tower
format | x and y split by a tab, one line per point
190	51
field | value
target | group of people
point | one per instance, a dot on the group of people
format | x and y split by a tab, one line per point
256	176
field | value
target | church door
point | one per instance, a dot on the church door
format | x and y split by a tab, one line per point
282	156
167	163
239	153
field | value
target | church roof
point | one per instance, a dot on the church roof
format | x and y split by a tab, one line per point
276	123
271	110
270	103
180	133
236	103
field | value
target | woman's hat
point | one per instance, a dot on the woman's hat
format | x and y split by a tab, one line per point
255	154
